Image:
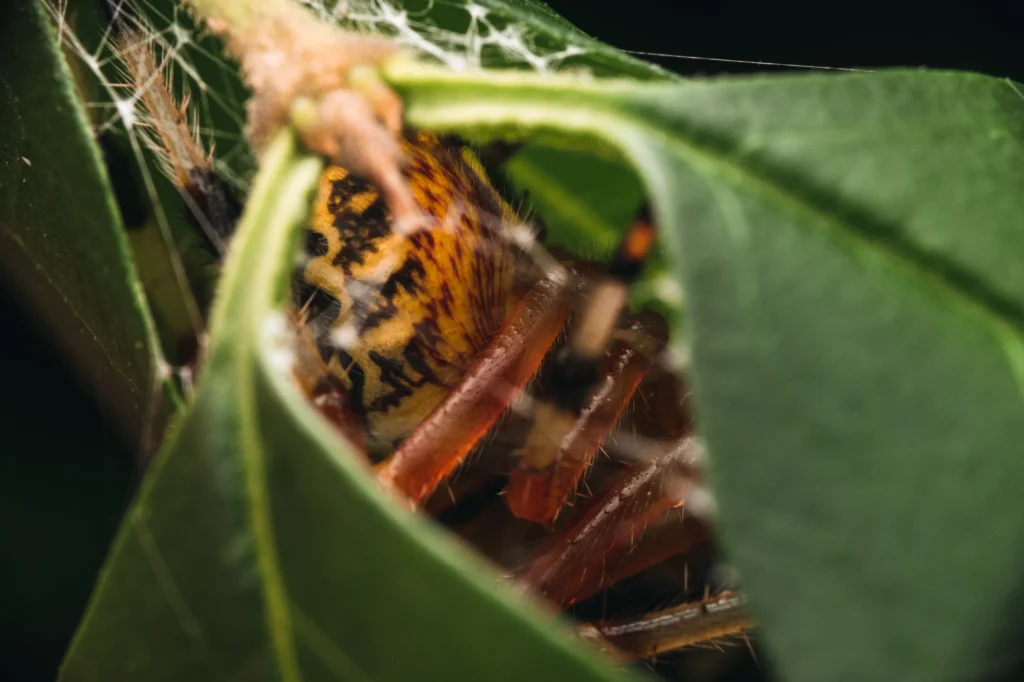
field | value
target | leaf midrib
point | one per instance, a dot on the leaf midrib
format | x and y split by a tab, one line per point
284	176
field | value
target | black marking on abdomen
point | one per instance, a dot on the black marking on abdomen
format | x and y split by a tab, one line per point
359	233
428	340
404	277
392	374
356	378
414	356
316	244
322	310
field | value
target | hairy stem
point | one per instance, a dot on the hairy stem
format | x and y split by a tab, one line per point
320	79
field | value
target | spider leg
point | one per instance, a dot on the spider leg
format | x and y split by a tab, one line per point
665	537
540	484
570	427
448	434
721	616
214	207
572	564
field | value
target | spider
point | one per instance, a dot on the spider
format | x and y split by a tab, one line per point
465	338
432	335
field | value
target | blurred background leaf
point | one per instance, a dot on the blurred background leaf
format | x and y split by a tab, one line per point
66	479
80	393
64	246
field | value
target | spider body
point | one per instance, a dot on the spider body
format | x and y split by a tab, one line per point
399	318
435	332
434	335
455	312
430	337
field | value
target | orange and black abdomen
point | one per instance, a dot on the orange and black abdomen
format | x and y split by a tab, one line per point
400	317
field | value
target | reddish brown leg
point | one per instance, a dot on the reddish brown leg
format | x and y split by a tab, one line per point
538	486
448	434
570	426
721	616
565	569
667	537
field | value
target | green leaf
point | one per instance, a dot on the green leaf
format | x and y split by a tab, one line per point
851	251
61	238
260	545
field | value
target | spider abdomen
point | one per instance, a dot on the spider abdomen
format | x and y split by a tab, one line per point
400	316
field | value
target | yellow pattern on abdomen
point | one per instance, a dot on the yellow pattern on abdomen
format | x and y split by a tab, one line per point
400	318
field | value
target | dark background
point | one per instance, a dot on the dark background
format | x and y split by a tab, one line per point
983	36
65	477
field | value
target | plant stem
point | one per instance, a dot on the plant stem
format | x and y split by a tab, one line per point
321	80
